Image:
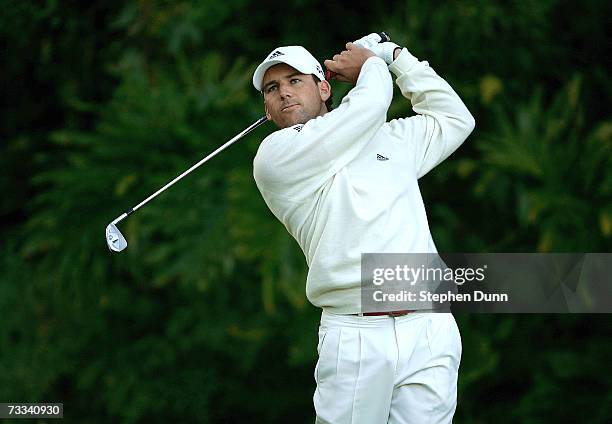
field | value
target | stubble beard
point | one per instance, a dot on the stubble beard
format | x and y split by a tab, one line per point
298	117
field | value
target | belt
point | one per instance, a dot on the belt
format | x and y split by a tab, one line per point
388	313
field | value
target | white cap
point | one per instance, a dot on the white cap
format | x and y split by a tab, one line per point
296	56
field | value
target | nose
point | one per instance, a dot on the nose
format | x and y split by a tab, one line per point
285	91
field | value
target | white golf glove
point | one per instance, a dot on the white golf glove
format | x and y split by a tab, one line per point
383	50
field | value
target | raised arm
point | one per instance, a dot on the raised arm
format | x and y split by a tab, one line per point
297	161
443	121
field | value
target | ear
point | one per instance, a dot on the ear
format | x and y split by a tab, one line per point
324	90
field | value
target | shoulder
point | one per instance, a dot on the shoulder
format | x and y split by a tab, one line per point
277	141
281	136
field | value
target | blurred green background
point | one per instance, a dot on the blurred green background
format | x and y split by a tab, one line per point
204	318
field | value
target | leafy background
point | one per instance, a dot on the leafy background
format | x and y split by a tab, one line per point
203	318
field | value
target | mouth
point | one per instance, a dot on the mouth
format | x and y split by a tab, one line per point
286	108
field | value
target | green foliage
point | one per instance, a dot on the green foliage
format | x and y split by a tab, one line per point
204	318
551	172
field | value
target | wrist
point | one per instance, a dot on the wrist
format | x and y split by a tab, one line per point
403	63
396	52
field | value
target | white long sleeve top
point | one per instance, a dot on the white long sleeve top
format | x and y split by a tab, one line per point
345	183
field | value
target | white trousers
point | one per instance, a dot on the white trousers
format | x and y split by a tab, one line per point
376	370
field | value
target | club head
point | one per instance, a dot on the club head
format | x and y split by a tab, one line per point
115	240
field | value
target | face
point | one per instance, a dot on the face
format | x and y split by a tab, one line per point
291	97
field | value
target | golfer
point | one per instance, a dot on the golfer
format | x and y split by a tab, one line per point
344	182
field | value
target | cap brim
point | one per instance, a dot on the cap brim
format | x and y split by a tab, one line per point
260	72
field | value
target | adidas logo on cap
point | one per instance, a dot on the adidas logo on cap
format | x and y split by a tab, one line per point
275	54
381	157
321	73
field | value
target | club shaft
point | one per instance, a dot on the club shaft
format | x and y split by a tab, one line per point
201	162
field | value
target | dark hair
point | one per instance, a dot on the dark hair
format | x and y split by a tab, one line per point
329	102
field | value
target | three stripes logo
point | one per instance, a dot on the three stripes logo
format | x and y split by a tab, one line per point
298	128
320	72
381	157
277	53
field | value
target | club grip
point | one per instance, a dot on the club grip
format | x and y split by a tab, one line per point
384	37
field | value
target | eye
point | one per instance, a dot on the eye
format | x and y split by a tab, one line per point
294	80
270	89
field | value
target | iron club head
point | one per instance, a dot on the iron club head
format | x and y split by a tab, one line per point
115	240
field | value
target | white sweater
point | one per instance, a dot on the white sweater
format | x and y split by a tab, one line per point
345	183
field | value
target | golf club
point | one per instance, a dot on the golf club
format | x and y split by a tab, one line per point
115	240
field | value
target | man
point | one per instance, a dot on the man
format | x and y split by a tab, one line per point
344	182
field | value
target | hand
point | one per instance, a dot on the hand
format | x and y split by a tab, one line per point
347	65
383	50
